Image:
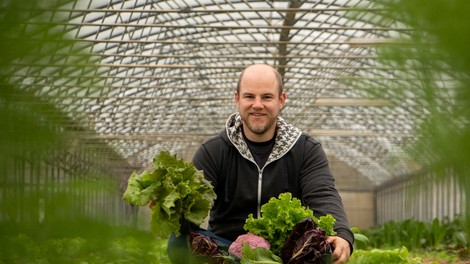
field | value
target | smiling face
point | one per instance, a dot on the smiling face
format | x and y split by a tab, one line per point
259	102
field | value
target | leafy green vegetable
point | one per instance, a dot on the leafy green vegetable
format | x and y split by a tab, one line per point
383	256
259	255
327	223
278	217
174	190
360	240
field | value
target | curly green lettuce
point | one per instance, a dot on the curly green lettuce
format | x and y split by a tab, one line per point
173	189
278	218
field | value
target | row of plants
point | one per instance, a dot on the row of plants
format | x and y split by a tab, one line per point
416	235
411	241
130	249
138	249
84	241
79	241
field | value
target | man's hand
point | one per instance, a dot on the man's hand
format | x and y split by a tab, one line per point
341	249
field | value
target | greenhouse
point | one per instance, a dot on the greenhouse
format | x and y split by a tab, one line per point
91	91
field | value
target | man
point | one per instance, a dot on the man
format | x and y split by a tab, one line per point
258	156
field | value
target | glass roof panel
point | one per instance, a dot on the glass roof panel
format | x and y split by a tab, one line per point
148	75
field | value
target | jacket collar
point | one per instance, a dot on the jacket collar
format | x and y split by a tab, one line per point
286	137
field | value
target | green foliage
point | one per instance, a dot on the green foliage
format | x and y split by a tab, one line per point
26	126
417	235
383	256
361	241
327	223
441	241
438	256
31	122
106	244
278	217
173	189
432	71
258	255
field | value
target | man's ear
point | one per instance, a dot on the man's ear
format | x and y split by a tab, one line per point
282	99
236	98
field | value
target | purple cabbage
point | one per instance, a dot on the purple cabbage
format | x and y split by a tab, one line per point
305	244
205	247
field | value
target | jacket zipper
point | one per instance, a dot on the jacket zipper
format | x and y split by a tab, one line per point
260	183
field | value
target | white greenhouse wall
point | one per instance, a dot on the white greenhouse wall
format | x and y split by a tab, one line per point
61	185
359	208
408	199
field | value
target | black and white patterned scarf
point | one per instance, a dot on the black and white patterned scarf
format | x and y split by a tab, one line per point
286	137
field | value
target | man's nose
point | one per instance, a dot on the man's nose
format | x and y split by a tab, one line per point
258	103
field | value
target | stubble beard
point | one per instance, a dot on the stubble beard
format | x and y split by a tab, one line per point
259	129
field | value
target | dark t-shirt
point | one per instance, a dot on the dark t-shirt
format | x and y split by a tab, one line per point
260	150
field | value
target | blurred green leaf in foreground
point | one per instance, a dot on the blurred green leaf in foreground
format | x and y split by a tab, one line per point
431	65
47	186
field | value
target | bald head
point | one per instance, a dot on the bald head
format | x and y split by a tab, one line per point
261	73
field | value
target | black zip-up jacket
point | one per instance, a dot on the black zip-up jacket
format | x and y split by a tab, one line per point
297	164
